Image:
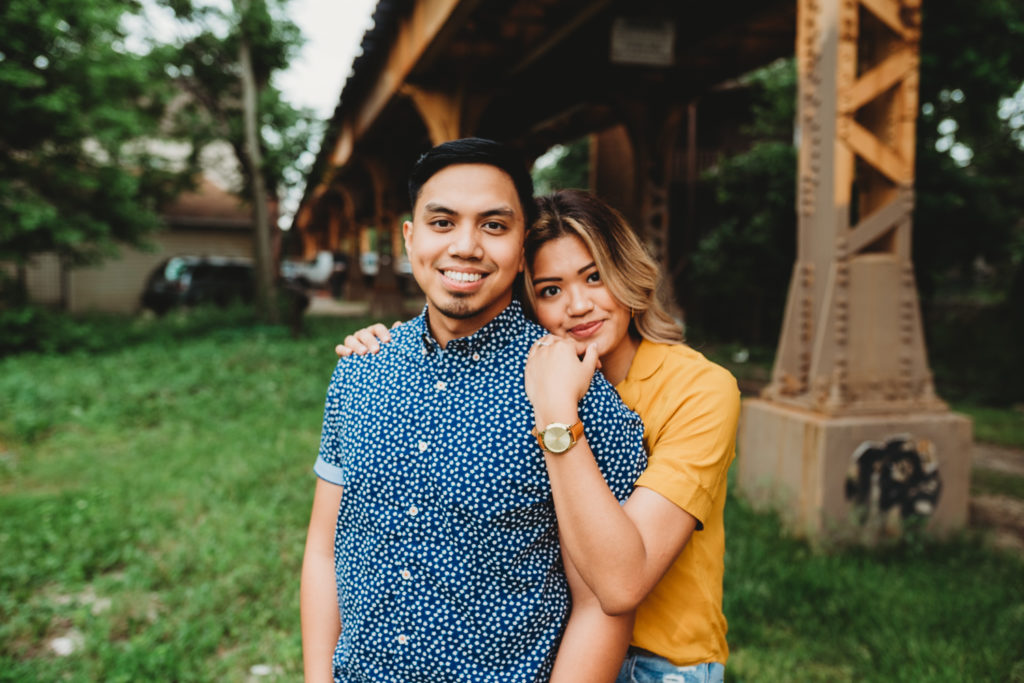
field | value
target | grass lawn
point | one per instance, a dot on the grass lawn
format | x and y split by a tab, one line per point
1002	426
153	503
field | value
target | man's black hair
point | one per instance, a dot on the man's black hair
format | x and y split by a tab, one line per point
475	151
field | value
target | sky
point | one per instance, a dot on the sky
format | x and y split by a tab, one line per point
333	30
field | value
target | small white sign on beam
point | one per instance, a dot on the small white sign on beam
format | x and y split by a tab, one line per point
648	42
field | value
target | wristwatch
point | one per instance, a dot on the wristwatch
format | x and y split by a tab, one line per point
558	437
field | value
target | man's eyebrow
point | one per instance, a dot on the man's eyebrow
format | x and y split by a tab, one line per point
434	207
499	211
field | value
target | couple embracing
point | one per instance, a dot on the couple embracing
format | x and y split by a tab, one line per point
502	500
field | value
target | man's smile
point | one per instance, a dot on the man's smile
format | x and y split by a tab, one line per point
460	276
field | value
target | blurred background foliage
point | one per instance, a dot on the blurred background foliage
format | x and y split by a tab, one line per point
92	108
75	105
77	176
968	217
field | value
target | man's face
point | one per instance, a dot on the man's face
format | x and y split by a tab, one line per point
465	244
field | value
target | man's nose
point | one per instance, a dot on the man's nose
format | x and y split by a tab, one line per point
465	242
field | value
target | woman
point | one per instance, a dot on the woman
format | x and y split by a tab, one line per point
590	282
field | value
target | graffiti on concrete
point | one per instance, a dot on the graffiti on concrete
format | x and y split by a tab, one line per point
897	477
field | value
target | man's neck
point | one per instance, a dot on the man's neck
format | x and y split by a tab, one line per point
444	328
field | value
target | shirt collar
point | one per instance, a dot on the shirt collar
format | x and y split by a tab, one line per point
648	360
496	334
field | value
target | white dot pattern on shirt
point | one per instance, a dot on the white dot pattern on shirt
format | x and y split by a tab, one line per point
448	547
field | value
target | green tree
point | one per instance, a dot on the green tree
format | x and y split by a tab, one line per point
226	65
75	105
744	258
969	158
969	213
968	218
741	267
563	166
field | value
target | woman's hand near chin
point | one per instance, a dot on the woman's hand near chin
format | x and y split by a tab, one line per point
556	378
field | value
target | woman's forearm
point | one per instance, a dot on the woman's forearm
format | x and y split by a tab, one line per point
603	542
622	551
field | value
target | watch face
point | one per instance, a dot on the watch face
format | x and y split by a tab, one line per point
557	438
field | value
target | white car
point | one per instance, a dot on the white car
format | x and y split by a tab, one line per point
315	273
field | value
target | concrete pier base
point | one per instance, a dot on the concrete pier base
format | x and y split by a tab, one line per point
862	477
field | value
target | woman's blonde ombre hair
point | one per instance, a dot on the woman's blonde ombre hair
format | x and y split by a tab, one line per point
626	269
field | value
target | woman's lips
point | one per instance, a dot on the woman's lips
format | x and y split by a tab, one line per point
586	329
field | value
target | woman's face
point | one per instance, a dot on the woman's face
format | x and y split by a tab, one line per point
572	301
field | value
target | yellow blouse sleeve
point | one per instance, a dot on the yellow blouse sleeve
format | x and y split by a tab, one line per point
691	421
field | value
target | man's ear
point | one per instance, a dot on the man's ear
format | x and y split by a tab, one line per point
406	234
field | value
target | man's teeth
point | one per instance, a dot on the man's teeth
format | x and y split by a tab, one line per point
462	277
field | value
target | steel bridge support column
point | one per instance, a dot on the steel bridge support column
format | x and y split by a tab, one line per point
355	287
386	299
653	130
850	437
612	172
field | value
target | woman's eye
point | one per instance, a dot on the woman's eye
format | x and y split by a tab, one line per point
493	225
548	291
594	277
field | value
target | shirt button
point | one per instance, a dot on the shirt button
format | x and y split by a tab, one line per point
406	574
403	639
476	356
423	446
413	511
440	386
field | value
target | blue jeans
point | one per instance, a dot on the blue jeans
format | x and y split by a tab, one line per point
642	666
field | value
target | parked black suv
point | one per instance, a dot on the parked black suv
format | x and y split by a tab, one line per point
191	280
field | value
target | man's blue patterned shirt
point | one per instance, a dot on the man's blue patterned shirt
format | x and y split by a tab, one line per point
446	551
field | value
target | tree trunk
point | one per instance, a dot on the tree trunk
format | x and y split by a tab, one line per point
64	274
265	299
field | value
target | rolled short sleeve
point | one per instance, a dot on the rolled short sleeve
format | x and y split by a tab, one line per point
695	440
328	461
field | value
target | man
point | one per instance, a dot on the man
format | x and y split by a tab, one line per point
433	533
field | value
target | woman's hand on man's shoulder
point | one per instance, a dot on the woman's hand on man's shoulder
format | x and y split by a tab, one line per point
365	340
